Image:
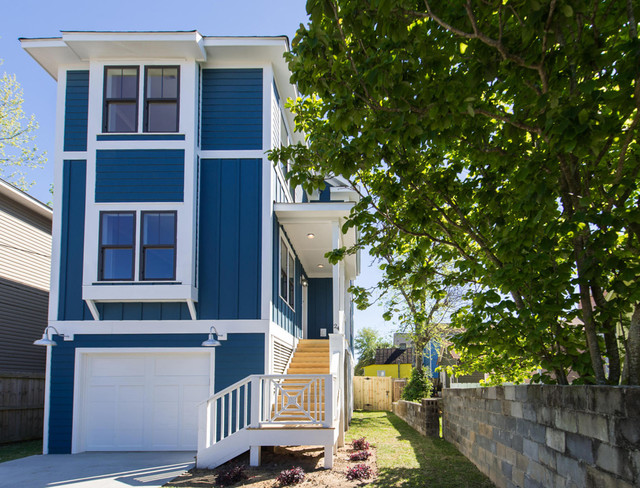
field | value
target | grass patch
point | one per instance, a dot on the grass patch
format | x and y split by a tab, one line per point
408	459
17	450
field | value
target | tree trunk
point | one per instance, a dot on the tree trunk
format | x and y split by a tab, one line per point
591	335
419	355
610	338
633	347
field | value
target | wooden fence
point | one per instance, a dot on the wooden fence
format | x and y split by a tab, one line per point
398	386
373	392
21	406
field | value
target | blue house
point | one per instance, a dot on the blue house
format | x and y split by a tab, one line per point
172	233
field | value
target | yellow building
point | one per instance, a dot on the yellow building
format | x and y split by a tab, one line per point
393	362
390	370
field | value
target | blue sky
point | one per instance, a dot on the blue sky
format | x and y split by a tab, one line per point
46	18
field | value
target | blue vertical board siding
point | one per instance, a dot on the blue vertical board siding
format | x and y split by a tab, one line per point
283	315
70	303
231	113
240	354
76	111
140	175
230	239
320	297
238	357
143	311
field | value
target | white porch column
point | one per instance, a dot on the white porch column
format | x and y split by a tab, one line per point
336	279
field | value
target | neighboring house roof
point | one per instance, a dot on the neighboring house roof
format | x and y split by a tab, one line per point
394	355
24	199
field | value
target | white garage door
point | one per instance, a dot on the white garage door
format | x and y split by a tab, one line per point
142	401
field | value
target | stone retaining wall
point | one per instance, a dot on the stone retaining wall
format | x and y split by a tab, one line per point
423	417
545	436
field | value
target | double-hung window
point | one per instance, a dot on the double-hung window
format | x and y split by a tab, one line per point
287	274
158	245
161	99
118	251
117	245
121	99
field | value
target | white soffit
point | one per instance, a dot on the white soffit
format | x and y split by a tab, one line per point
80	47
301	219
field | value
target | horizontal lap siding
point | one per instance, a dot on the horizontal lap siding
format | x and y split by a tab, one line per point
25	245
76	111
140	175
230	234
238	356
231	114
23	317
70	304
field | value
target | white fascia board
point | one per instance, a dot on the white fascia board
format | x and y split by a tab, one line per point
307	212
24	199
278	41
124	327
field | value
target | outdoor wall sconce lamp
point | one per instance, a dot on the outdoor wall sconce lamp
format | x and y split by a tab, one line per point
211	342
46	337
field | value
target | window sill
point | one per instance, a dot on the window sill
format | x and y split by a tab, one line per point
141	136
136	283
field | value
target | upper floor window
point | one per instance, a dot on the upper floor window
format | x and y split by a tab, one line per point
161	99
121	99
287	273
157	255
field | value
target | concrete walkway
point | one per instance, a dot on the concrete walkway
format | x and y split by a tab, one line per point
96	470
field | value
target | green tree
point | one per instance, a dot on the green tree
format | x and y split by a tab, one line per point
502	137
366	342
18	151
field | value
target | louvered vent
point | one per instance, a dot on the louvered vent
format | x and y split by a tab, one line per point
281	356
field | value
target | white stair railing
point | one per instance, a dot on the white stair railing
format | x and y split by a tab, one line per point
268	400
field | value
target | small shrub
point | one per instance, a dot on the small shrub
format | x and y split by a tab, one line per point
359	456
290	476
360	444
359	472
232	475
418	387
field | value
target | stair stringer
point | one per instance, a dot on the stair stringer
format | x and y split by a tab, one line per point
224	450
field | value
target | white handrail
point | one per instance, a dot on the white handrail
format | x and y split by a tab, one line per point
268	400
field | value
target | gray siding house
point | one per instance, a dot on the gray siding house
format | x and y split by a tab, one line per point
25	266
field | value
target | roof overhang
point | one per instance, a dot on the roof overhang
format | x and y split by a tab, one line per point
25	200
300	220
75	47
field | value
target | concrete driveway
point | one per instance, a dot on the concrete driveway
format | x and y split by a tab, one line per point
96	470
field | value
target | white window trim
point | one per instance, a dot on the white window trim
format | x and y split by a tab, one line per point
283	238
137	247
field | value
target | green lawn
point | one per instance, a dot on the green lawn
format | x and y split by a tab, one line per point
16	450
408	459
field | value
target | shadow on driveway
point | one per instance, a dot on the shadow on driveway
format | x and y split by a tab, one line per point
96	470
